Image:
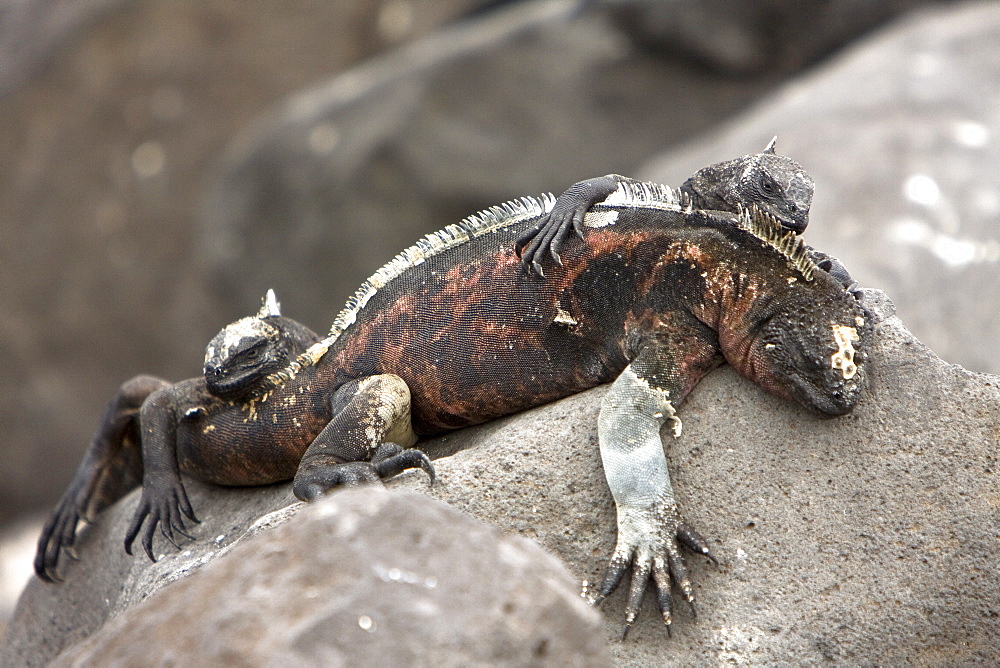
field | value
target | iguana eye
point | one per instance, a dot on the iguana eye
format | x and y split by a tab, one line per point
251	354
767	185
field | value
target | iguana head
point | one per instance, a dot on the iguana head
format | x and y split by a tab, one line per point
810	346
776	184
239	360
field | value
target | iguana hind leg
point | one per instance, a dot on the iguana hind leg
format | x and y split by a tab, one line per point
365	440
110	469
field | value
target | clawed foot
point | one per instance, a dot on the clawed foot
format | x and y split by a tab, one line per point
567	215
164	506
58	535
317	477
649	542
546	236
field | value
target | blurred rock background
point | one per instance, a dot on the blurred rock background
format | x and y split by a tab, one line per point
165	163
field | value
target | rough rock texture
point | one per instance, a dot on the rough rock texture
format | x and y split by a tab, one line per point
902	135
867	539
367	577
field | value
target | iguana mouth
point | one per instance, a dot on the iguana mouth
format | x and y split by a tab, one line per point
227	387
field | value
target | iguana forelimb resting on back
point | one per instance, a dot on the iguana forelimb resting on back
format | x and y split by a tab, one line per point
452	333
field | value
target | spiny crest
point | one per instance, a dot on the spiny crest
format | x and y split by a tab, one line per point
768	229
648	195
269	306
478	224
484	222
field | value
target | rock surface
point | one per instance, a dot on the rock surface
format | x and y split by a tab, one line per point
902	137
364	578
870	539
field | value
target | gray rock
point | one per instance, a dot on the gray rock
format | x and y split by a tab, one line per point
742	38
866	539
363	578
901	135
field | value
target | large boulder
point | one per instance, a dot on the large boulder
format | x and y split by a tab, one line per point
870	538
900	134
367	577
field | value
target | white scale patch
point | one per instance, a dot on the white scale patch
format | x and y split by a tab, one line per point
234	334
843	359
669	413
600	218
563	317
645	195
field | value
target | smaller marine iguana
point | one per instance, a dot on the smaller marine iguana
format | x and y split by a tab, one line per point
149	417
774	183
452	333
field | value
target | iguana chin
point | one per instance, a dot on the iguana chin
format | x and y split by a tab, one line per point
776	184
452	333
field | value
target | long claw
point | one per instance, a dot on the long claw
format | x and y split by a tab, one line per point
613	575
578	223
398	460
694	541
664	597
147	539
637	587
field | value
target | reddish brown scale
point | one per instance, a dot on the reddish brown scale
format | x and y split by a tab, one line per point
256	443
483	339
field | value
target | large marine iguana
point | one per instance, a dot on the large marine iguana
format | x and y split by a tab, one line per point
452	333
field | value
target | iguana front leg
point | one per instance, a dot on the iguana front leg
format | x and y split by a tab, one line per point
567	214
164	501
650	526
111	468
365	440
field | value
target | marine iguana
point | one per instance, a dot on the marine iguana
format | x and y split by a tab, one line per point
452	333
238	362
775	183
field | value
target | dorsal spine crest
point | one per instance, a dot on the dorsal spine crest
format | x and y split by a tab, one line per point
768	229
478	224
648	195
